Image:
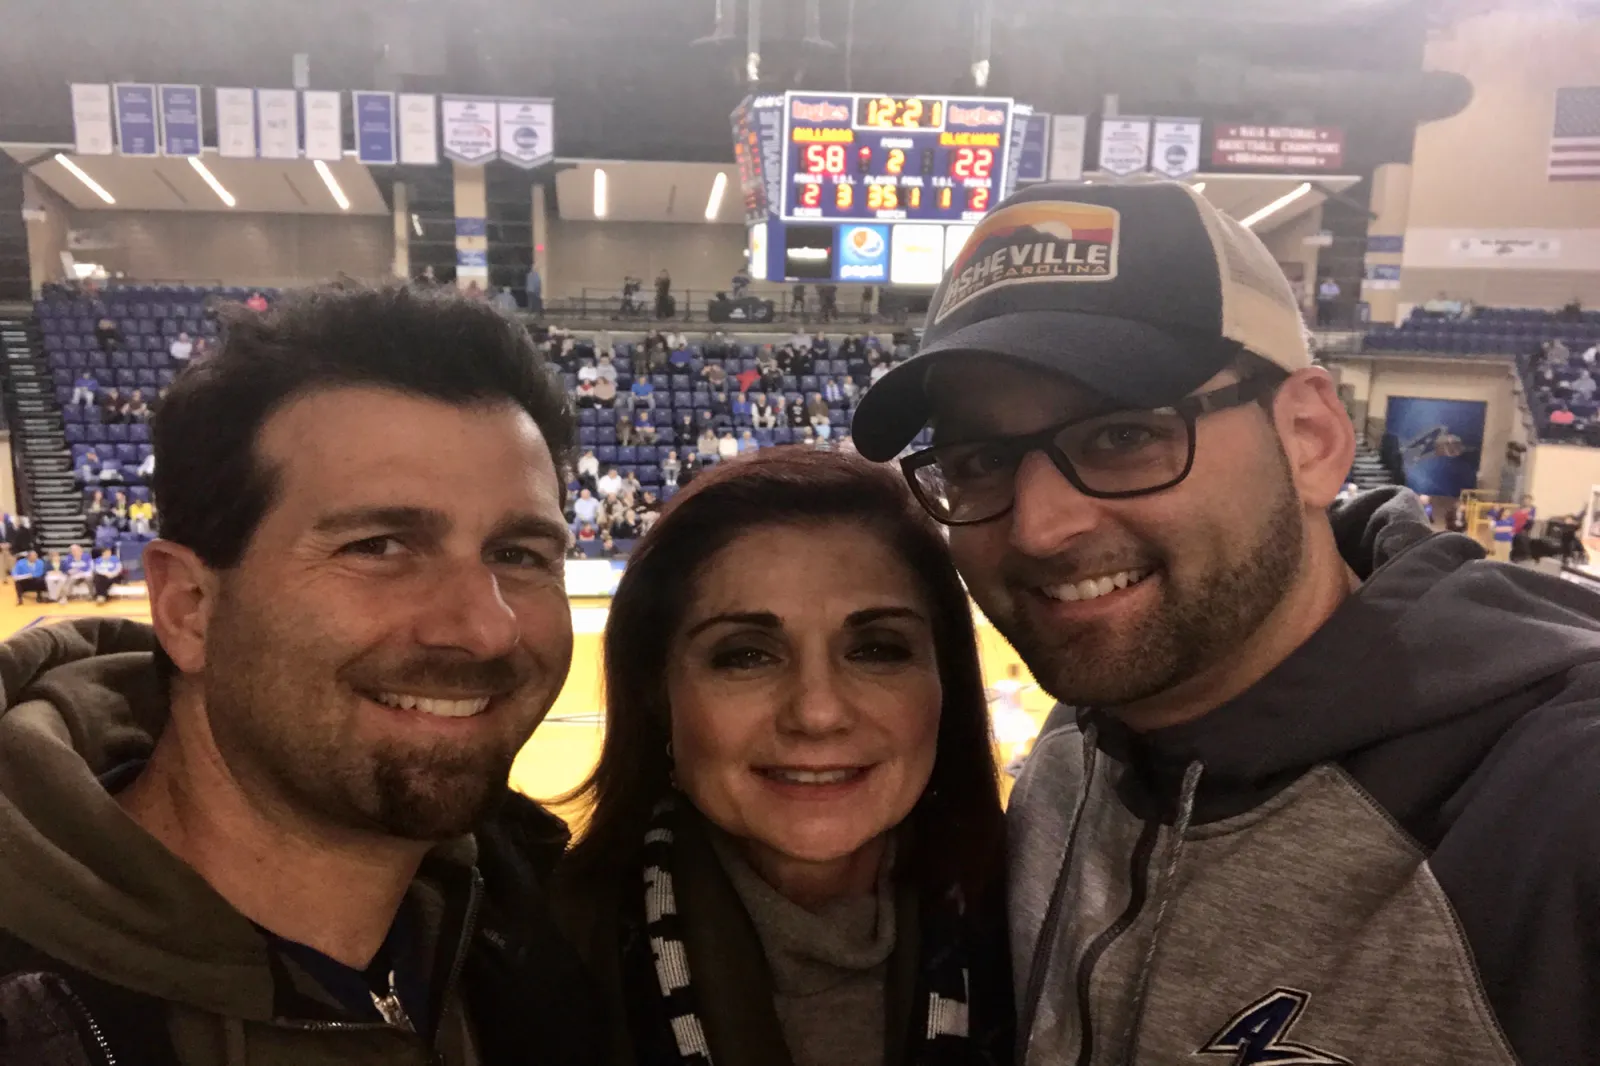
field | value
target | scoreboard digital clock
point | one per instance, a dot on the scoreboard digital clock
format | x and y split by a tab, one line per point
870	157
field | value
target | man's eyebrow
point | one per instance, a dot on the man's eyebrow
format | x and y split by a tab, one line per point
530	527
416	519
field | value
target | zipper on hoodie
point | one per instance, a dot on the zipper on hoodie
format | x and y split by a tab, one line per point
93	1026
1139	879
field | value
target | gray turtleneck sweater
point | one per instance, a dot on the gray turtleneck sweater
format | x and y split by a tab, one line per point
828	965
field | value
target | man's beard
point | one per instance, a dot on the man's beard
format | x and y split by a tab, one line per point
286	736
1191	627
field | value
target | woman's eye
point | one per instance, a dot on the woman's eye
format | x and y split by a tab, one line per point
741	659
881	651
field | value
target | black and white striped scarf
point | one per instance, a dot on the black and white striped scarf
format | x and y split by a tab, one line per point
943	980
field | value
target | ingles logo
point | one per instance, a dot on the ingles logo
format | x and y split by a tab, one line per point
976	116
1030	242
820	111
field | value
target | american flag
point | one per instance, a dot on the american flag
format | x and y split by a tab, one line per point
1575	140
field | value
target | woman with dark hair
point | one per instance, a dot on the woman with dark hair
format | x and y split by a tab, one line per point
794	848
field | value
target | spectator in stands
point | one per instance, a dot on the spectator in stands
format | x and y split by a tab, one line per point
504	302
727	446
852	348
608	547
588	470
808	437
795	412
588	372
586	532
648	501
28	576
147	467
611	483
256	302
664	308
606	369
748	442
79	570
816	406
832	391
691	468
584	396
670	468
626	527
585	509
1590	354
110	471
771	372
644	428
762	414
1557	354
707	447
142	517
108	335
107	572
605	392
119	510
136	410
821	426
1583	386
705	419
641	393
741	283
105	534
828	302
624	427
533	291
676	341
802	362
747	379
88	471
878	372
715	376
631	488
111	404
96	507
181	349
55	579
681	357
1562	416
84	389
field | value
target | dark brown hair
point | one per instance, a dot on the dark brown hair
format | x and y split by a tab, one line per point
957	825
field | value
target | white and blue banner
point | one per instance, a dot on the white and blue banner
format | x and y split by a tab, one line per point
1033	150
419	130
527	132
470	129
180	119
137	126
1067	136
1175	150
323	112
278	123
236	123
374	122
1124	145
91	120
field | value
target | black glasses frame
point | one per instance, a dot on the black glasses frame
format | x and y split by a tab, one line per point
1190	409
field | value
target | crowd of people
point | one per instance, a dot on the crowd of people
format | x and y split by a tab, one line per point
56	578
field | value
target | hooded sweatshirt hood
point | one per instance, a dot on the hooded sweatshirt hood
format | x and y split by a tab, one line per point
82	882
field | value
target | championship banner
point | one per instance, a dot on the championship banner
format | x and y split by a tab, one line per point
1032	152
1124	145
278	123
236	123
91	120
324	119
1278	147
527	132
374	122
419	130
1067	136
180	119
1175	151
469	129
136	119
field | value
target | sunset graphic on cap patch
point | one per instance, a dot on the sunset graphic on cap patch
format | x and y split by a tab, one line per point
1034	241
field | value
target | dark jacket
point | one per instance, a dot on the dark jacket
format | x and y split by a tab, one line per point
733	984
1386	851
112	950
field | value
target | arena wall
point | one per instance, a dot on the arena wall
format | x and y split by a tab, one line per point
1561	476
1482	173
596	255
239	249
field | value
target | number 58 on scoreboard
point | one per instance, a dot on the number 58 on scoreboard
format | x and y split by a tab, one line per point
884	158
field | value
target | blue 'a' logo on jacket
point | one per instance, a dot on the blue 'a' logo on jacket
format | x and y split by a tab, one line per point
1258	1035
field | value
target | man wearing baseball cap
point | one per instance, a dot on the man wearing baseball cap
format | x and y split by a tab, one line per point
1321	785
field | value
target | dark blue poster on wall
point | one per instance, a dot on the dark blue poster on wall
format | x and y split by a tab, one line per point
1439	442
136	119
374	122
180	119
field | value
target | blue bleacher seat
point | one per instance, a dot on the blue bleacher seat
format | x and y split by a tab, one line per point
118	434
623	547
606	453
607	435
72	413
682	400
782	435
74	432
139	432
586	436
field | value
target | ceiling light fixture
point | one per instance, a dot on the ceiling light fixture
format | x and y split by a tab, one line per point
718	187
601	204
211	179
1277	205
416	224
76	171
332	183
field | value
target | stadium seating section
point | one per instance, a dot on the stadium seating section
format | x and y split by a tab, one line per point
1504	331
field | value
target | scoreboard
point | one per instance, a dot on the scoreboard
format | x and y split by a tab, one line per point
871	188
869	157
